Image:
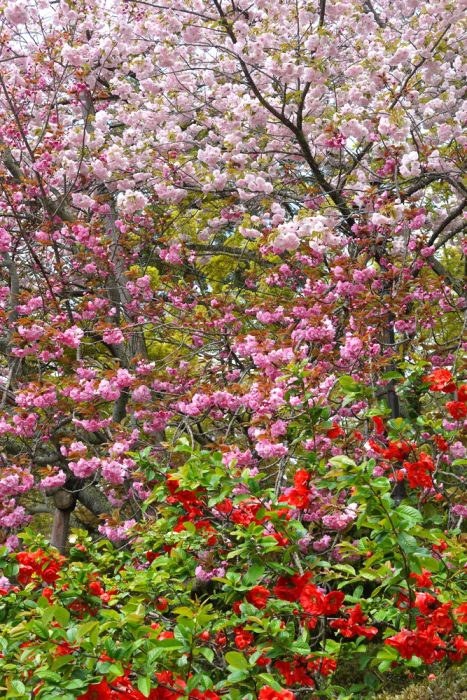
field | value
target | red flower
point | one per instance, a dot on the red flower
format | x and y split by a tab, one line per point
441	619
25	575
352	626
419	472
263	661
95	588
457	409
236	607
395	451
280	539
325	666
224	506
295	672
290	587
316	603
462	392
441	443
301	478
440	380
187	498
169	688
29	558
441	546
45	567
425	644
333	602
168	634
245	513
268	693
48	593
82	609
50	573
379	425
220	639
299	495
119	688
403	642
242	638
312	600
258	596
425	602
460	645
335	432
64	649
100	691
461	613
150	556
423	580
299	498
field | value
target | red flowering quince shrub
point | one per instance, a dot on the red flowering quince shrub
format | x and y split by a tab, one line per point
219	594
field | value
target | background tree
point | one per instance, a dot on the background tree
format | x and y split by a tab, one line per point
195	198
232	315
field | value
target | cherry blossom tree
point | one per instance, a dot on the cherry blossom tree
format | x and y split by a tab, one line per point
238	225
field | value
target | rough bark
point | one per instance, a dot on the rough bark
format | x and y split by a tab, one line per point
64	503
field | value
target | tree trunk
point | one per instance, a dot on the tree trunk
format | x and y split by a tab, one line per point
61	529
64	505
399	490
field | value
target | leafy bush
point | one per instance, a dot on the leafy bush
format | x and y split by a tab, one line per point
218	594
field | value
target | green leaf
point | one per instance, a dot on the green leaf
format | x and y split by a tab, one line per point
236	660
237	676
61	615
18	688
144	685
85	629
427	562
381	483
300	647
184	632
47	675
75	684
184	612
341	461
61	661
397	423
349	385
169	644
114	671
254	573
407	542
409	513
39	629
385	665
267	679
208	653
346	568
392	375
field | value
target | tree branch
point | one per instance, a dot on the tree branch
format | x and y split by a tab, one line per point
449	218
322	12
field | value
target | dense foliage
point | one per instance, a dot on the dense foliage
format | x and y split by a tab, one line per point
232	312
